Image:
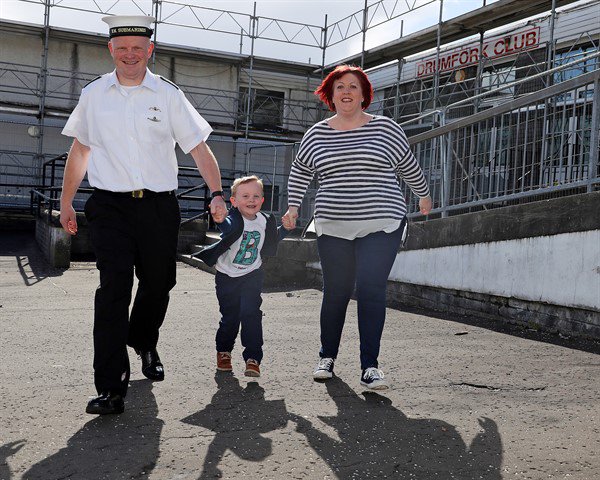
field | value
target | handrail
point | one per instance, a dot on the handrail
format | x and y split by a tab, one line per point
195	217
543	97
523	101
46	193
192	189
544	73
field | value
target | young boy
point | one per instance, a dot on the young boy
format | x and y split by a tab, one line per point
247	235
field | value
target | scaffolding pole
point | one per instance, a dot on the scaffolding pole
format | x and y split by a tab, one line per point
550	55
436	77
155	7
43	79
253	30
364	34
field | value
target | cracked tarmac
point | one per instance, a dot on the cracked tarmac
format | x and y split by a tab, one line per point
469	400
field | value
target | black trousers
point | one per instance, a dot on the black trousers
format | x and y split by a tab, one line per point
130	235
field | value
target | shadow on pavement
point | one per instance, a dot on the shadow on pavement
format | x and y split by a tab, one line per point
376	440
29	259
6	451
110	446
238	416
582	343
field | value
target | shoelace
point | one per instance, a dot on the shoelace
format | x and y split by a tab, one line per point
325	363
225	355
373	373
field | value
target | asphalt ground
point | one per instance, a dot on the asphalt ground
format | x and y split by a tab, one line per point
468	399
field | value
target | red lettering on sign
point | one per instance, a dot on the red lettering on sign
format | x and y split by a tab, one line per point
499	47
531	38
445	64
474	58
519	42
484	50
470	55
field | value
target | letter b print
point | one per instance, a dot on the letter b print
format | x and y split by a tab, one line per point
248	251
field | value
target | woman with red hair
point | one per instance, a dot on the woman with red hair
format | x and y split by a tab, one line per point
360	211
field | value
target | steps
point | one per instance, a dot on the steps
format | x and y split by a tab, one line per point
210	237
290	268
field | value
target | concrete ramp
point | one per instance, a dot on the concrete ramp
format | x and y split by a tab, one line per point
466	402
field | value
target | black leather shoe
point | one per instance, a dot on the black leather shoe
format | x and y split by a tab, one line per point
106	403
152	368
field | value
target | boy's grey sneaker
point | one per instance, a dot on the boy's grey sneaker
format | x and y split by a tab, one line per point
372	378
324	369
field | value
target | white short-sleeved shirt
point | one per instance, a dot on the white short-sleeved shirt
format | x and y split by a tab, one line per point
132	132
243	256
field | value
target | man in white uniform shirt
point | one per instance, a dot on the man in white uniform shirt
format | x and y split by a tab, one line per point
125	128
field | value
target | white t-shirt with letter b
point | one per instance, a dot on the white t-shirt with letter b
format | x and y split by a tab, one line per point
243	255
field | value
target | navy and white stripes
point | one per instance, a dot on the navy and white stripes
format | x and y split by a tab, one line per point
357	171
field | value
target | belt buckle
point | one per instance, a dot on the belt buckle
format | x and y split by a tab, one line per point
137	194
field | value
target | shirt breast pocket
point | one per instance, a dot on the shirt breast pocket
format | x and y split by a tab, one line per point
152	124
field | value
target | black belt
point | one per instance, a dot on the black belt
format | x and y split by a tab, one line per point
144	193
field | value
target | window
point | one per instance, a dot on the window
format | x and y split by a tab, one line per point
496	78
575	70
266	108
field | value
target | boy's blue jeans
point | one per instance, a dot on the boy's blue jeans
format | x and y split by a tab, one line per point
365	262
239	303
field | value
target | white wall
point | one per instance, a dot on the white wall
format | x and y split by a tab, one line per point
559	269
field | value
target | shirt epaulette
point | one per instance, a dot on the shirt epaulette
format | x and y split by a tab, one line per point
92	80
168	81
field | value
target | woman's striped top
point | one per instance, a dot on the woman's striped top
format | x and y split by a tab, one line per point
357	171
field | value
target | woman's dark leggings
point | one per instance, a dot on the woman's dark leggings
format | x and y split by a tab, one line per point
365	262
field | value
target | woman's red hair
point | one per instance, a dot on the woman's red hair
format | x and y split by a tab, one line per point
325	90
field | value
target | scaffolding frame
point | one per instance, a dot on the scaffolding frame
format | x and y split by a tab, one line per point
251	26
255	27
258	28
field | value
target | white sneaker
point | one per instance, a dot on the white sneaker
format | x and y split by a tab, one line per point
372	378
324	369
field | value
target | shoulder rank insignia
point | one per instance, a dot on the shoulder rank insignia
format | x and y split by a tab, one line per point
92	80
169	82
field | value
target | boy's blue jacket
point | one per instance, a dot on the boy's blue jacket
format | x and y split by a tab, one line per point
231	229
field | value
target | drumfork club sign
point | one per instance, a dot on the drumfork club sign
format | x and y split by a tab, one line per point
468	55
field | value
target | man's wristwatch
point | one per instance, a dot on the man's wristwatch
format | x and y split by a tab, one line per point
216	193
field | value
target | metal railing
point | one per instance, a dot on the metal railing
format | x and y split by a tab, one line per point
532	146
44	198
535	144
540	143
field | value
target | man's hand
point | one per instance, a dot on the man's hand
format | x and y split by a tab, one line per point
425	205
75	169
68	219
218	210
290	217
